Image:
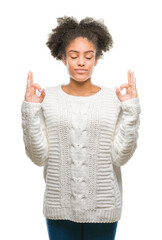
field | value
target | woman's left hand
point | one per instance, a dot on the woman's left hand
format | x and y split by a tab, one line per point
131	91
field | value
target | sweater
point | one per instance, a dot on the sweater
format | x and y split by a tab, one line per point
81	142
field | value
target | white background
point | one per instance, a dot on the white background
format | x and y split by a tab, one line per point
135	26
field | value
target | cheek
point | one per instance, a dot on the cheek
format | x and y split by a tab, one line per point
91	63
91	66
71	65
70	68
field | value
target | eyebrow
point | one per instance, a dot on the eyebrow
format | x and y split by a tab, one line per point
77	51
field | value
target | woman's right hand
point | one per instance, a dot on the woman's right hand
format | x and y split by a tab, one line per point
30	94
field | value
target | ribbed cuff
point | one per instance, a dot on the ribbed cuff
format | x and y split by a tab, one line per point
30	107
132	106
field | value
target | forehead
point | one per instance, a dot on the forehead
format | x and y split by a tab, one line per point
81	44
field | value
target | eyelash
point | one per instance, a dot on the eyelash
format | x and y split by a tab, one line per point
76	57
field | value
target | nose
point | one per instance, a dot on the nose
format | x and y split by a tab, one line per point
81	61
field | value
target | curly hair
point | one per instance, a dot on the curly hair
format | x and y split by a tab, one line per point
68	29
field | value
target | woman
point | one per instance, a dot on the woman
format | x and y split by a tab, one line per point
81	134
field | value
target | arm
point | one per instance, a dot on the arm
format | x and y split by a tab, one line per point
34	132
125	137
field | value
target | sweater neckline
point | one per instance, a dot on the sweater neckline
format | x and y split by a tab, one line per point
80	98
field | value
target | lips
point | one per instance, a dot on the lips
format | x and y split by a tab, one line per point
80	70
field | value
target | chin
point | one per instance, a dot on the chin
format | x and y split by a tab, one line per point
81	79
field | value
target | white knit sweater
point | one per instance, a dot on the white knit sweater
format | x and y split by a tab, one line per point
81	142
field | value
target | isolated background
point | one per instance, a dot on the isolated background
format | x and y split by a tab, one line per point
136	30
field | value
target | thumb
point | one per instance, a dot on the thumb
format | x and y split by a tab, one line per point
43	92
117	90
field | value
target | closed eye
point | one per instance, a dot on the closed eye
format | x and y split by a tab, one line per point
76	57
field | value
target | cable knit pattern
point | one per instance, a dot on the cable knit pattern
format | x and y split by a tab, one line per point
78	151
81	142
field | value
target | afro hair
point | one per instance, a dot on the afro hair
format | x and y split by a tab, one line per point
68	29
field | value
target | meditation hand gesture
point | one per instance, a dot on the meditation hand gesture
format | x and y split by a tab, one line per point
30	95
131	91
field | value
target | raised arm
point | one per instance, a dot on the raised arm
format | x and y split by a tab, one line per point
33	124
125	137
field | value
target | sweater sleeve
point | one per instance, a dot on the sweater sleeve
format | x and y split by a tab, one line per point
125	137
34	132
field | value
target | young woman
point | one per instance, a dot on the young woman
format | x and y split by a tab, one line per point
81	134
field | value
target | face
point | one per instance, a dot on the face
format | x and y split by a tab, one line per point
80	55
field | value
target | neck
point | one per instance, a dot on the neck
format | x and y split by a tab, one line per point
80	87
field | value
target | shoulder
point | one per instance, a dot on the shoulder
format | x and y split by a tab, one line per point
51	92
50	89
108	89
111	93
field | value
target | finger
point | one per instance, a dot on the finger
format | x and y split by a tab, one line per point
133	81
29	79
37	86
132	78
124	85
43	92
118	92
134	84
129	77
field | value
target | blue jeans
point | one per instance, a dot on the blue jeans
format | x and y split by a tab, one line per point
69	230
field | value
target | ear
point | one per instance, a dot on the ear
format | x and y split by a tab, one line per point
96	61
64	60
